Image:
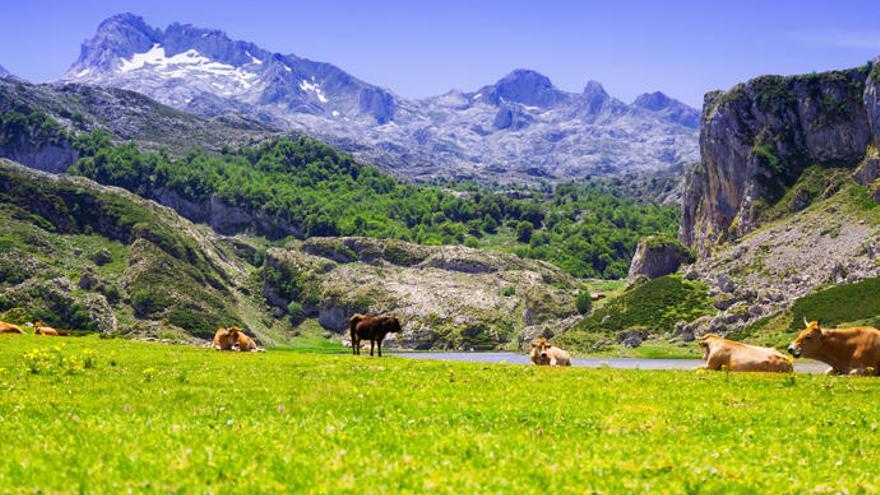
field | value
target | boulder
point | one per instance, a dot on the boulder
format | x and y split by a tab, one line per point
656	256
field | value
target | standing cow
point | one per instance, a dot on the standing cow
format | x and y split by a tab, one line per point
372	328
849	351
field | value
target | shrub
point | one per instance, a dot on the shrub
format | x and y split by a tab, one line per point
295	310
508	291
144	303
584	301
524	231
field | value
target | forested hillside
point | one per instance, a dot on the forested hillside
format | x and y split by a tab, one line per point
305	188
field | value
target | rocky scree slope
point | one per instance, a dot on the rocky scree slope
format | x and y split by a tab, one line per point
447	297
88	257
520	127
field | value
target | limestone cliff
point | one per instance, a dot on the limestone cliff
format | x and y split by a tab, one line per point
757	139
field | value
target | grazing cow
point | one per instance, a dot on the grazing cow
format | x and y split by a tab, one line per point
545	354
9	328
40	329
223	340
374	328
243	343
721	353
849	351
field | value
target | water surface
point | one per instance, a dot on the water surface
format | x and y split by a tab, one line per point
622	363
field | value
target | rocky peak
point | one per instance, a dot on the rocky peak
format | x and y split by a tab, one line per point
668	108
526	87
5	74
653	101
119	36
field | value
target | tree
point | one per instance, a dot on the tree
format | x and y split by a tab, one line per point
524	231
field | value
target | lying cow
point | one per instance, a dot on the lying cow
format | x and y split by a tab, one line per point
545	354
372	328
10	328
849	351
223	340
726	354
40	329
243	343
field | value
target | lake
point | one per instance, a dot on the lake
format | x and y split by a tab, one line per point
622	363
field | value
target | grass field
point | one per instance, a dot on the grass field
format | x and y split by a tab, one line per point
85	415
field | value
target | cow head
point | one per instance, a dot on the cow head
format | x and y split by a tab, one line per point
393	325
704	341
541	350
809	341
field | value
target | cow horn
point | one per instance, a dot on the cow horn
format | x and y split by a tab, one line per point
806	323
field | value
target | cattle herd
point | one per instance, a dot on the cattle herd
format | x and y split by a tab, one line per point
848	351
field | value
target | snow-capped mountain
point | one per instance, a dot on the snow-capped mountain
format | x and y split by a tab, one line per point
522	126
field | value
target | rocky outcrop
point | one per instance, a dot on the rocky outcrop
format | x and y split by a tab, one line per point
656	256
448	297
48	157
225	218
757	138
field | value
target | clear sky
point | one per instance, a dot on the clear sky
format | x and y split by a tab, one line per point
422	47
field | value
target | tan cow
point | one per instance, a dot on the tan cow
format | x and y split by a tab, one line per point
721	353
849	351
223	340
9	328
545	354
243	343
40	329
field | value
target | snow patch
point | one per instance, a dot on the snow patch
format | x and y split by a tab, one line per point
83	73
477	96
190	65
254	60
315	88
335	113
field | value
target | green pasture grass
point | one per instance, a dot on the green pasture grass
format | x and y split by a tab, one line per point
86	415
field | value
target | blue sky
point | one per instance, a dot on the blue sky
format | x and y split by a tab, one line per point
421	48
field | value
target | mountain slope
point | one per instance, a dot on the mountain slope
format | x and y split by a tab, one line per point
520	127
127	115
88	257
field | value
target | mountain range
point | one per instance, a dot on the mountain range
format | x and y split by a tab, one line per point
522	127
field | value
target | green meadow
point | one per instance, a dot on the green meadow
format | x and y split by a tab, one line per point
87	415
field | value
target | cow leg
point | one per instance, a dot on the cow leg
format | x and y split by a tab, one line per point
354	346
372	342
380	346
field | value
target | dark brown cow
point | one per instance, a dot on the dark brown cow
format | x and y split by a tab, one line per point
374	328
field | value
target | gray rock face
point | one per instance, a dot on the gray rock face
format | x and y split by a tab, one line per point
758	137
520	128
54	158
656	256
